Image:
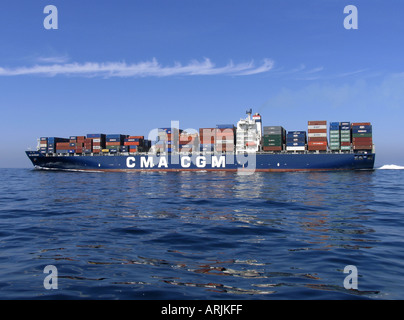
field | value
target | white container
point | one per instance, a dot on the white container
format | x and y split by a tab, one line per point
317	126
302	148
312	135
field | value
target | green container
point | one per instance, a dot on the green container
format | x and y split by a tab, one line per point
345	147
362	135
272	140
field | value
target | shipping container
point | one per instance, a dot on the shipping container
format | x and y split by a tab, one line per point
317	131
295	148
96	135
312	135
272	148
225	126
318	122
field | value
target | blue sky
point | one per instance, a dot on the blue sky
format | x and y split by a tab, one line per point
131	66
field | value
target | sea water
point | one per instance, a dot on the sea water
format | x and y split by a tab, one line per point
202	235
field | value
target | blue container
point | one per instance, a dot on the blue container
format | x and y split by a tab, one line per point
334	124
43	139
73	138
295	136
295	144
56	139
345	128
71	151
133	140
346	124
225	126
297	132
115	136
207	147
299	139
361	131
95	135
367	127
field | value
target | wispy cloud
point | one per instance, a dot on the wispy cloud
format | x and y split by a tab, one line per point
53	59
150	68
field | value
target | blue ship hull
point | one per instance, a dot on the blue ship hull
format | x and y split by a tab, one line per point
260	162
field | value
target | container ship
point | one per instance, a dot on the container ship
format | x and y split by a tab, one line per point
246	147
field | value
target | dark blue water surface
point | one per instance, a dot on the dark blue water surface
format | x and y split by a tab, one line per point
201	235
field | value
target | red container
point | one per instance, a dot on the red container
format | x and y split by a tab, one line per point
272	148
63	145
207	132
133	143
345	143
317	143
206	140
136	137
317	130
186	138
317	138
319	148
360	124
362	141
317	123
363	147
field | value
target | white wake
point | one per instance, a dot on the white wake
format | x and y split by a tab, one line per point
391	167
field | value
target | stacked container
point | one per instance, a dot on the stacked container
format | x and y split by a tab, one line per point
335	136
43	145
362	136
296	141
53	142
97	141
345	134
64	147
88	145
133	144
273	138
188	142
77	143
224	138
167	139
113	142
317	134
207	139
